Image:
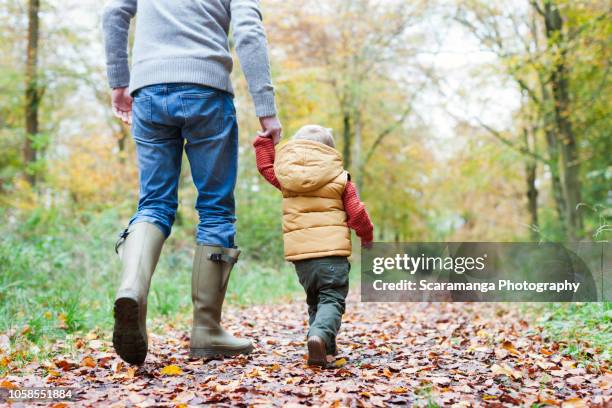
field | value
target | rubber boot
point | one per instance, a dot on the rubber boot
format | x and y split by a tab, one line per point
211	270
139	253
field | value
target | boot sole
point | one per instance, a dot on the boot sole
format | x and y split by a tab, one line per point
210	352
128	342
316	352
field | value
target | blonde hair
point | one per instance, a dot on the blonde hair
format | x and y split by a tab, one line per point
316	133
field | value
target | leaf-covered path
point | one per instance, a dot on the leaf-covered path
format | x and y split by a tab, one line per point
445	354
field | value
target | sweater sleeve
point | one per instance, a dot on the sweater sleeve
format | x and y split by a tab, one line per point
252	50
264	156
116	19
357	216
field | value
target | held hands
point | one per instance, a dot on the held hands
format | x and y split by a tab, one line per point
122	104
271	127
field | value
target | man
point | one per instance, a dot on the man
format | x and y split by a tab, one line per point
179	95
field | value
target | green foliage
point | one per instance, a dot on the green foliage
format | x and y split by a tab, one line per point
580	328
59	275
259	232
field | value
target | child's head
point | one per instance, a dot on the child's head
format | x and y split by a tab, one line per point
316	133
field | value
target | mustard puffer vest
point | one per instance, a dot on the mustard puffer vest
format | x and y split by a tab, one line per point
312	181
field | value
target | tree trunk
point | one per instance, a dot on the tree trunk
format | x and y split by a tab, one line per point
532	191
357	168
532	197
32	91
346	138
568	147
553	156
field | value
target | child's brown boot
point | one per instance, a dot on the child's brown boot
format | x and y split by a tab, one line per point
316	351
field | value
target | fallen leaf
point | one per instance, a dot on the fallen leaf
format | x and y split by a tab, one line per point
88	362
509	347
574	403
340	362
171	370
185	397
7	384
130	372
505	369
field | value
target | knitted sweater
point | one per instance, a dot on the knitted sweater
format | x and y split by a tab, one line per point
186	41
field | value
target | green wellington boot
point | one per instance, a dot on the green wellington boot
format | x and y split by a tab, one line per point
139	253
211	270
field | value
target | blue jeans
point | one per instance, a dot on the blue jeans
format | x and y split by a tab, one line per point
167	117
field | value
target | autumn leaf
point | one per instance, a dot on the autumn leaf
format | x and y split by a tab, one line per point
546	352
253	373
387	373
88	362
451	370
65	364
505	369
574	403
482	333
340	362
184	397
509	347
7	384
171	370
130	372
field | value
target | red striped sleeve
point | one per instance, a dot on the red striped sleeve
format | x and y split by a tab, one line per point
357	216
264	156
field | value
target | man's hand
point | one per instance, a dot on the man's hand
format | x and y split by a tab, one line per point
271	127
122	104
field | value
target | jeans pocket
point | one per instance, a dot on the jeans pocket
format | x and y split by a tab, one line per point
141	108
203	110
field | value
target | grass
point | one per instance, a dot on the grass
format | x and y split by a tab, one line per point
58	277
579	328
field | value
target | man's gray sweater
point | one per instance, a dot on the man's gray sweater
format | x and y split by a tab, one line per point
187	41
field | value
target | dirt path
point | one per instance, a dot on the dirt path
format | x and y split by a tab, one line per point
444	354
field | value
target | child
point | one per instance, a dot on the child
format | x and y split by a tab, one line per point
319	205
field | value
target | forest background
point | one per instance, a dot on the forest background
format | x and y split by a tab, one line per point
458	120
